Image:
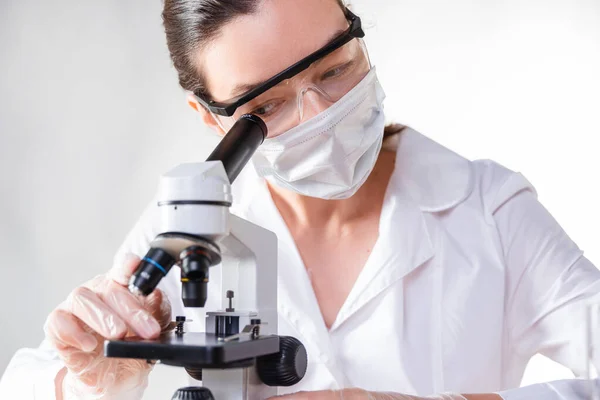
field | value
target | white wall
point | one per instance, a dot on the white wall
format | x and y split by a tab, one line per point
91	114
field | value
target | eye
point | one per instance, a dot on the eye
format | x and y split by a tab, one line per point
267	109
337	71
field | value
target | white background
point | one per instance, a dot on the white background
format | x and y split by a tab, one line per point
91	114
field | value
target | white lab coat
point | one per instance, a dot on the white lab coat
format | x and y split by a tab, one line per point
470	277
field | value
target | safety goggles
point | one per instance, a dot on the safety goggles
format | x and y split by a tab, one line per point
329	73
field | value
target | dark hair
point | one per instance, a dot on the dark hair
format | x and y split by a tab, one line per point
191	24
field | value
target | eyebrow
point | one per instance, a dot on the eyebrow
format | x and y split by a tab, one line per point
242	88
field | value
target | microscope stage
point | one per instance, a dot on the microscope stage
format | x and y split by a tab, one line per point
193	349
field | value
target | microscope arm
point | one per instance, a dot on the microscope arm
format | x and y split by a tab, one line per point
255	279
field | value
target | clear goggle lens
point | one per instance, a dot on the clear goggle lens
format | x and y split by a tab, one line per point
315	89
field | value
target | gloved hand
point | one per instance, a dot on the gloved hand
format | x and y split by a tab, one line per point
361	394
103	308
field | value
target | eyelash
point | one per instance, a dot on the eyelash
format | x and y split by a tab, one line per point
274	103
343	68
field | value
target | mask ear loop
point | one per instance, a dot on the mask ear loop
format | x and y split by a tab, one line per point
218	121
214	116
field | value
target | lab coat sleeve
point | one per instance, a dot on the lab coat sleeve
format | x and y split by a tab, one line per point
568	389
32	371
549	281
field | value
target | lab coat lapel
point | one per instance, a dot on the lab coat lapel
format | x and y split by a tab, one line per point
427	178
403	245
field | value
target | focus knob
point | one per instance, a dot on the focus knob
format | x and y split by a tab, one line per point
285	368
193	393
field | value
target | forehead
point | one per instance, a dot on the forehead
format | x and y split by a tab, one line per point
253	48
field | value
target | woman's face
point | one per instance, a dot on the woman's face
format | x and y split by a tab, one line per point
253	48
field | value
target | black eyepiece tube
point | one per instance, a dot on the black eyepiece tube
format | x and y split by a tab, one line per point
239	144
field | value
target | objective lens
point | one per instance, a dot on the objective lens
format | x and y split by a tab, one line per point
195	262
153	267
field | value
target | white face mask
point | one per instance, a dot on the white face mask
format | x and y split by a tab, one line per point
331	155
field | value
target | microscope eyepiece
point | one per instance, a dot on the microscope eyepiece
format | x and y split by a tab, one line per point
153	267
239	144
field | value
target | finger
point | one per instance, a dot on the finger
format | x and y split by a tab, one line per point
298	396
159	306
124	268
345	394
95	284
64	330
131	310
91	310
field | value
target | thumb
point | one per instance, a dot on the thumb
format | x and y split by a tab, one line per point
124	266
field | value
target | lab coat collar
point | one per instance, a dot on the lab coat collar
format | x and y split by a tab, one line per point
427	178
435	177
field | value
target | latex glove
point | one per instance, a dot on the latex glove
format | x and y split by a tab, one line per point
361	394
103	308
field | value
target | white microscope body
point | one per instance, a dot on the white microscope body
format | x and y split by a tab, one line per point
240	355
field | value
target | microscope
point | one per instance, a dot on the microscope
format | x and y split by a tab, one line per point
240	356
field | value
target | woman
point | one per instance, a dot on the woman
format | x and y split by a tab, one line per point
404	268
